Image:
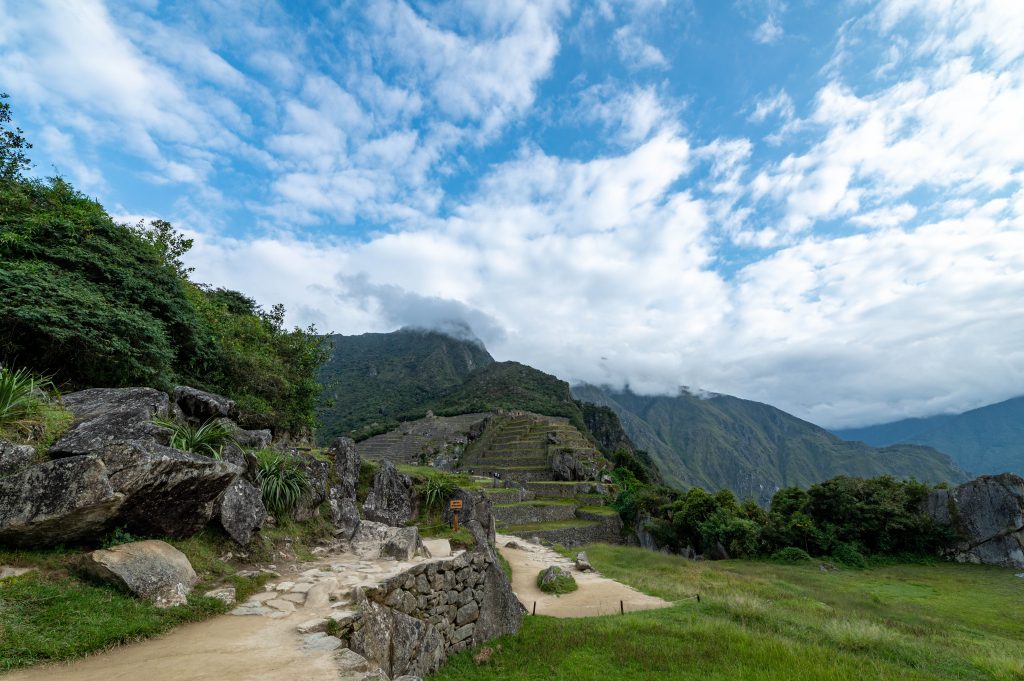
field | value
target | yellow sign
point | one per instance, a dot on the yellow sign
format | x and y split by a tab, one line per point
455	504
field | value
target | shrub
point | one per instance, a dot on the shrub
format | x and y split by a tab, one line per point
791	554
19	406
207	439
117	537
281	480
848	555
437	488
557	581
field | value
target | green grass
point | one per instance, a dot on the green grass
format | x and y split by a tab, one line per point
765	620
599	510
552	525
539	502
562	584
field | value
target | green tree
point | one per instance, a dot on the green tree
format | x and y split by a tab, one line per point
13	145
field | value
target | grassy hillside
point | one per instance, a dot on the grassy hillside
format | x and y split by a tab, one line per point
985	440
753	448
762	620
375	379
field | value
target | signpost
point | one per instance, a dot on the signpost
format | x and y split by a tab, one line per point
455	505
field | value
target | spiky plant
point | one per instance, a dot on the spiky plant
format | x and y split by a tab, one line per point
19	405
437	489
208	438
281	480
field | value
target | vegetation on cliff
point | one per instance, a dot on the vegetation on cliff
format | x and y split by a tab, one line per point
93	302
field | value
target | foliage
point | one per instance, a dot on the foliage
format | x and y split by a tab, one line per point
101	304
791	554
207	438
19	404
282	481
563	583
13	160
437	489
117	537
849	556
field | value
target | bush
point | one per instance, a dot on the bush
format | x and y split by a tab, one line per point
848	555
791	554
437	489
207	439
561	582
19	405
281	480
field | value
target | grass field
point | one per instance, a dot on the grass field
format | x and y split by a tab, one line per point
763	620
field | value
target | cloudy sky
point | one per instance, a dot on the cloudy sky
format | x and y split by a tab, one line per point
819	205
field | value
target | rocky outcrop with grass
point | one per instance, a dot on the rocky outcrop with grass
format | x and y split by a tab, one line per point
988	515
105	416
392	499
342	494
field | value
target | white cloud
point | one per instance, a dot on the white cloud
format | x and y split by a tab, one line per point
780	103
769	31
636	52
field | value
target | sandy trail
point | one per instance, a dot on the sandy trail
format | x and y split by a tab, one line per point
596	595
258	642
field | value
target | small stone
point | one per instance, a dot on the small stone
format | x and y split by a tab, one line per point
282	605
225	594
320	641
284	586
294	598
312	626
302	587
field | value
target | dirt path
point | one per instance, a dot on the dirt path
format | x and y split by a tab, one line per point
596	595
271	637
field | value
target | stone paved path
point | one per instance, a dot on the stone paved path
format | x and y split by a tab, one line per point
597	595
276	635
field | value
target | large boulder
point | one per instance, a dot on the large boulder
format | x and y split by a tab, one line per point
240	511
150	569
392	499
202	406
475	515
375	540
342	494
57	502
988	515
397	643
248	439
14	458
106	416
501	613
166	491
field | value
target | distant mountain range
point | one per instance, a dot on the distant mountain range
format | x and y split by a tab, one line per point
984	440
719	441
377	380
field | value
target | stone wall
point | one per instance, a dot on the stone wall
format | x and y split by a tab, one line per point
521	514
412	622
606	529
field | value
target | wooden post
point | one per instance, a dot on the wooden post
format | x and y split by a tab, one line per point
622	608
698	598
535	607
455	505
456	521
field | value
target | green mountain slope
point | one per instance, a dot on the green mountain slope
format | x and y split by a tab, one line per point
753	448
374	380
989	439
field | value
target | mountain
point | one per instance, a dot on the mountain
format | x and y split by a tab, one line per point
985	440
373	380
719	441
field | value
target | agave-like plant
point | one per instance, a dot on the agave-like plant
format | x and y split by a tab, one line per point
208	438
437	489
18	402
281	480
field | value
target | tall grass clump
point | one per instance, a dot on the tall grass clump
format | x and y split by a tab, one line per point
19	405
437	489
208	438
282	481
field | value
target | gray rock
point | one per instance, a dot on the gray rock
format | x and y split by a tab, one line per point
392	500
376	540
574	465
550	575
105	416
150	569
583	563
397	643
167	492
202	406
57	502
988	514
342	494
320	641
240	511
14	458
317	473
7	571
476	515
718	552
226	594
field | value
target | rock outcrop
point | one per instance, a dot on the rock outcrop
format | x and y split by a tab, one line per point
105	416
150	569
988	514
240	511
317	473
140	485
14	458
392	500
475	516
571	465
342	494
202	406
376	540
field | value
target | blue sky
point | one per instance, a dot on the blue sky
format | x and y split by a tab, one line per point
813	204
